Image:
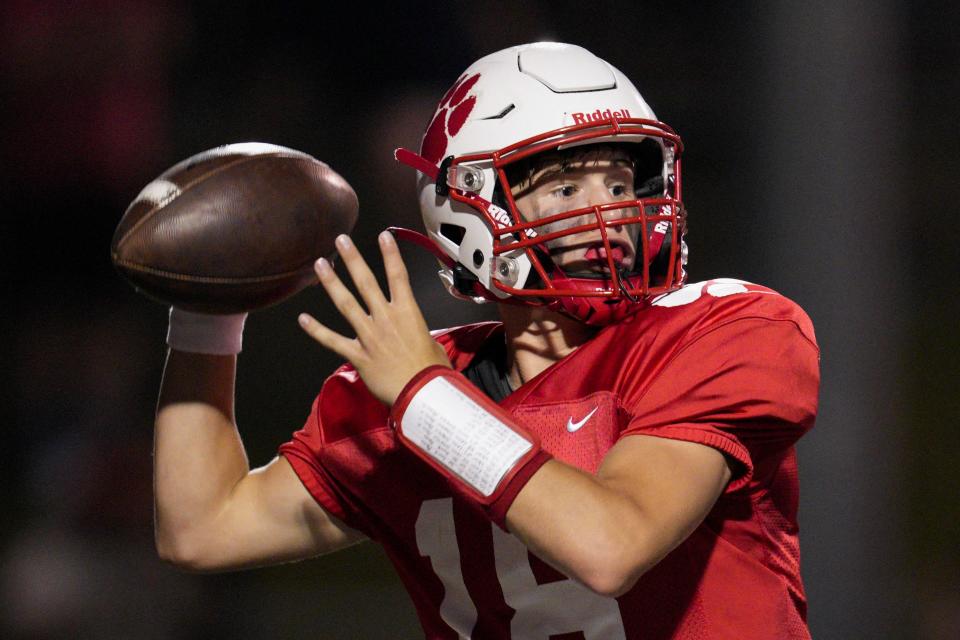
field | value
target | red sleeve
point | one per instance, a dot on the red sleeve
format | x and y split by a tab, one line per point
336	433
747	388
303	453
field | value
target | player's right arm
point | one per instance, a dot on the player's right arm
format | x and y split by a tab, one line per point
212	512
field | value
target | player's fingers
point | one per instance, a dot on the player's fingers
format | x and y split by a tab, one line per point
343	300
341	345
401	293
360	273
397	277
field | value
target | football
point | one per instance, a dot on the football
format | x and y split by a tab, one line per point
233	229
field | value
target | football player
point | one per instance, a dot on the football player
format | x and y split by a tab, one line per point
615	459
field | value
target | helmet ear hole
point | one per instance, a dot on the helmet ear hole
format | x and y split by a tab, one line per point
453	232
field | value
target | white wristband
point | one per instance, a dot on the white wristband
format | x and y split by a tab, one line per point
205	333
462	436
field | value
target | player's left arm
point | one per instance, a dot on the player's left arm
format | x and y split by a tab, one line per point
605	530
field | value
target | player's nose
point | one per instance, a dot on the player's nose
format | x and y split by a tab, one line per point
599	193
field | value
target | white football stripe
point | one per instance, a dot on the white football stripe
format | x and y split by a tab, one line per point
253	148
159	193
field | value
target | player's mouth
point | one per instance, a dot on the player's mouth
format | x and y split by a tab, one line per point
596	257
590	260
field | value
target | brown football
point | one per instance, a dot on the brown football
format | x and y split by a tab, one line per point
233	229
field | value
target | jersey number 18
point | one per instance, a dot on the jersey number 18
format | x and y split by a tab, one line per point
542	610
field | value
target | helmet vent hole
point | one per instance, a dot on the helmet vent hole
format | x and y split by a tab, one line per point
506	110
453	232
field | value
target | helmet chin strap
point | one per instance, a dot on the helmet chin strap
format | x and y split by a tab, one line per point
432	171
416	161
423	242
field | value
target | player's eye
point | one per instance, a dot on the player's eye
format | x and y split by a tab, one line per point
565	191
619	190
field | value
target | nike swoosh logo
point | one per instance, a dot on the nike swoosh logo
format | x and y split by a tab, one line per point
575	426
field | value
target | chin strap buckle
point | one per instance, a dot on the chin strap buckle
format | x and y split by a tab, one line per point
440	185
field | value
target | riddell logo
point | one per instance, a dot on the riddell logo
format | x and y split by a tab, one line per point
502	218
580	118
499	215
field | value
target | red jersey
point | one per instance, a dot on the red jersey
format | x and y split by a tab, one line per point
723	363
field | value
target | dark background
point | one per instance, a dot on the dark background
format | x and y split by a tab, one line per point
821	160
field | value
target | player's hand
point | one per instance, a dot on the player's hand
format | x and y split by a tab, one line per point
393	343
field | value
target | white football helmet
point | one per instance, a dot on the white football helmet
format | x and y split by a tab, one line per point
508	107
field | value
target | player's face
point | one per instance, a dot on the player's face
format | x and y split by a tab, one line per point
557	187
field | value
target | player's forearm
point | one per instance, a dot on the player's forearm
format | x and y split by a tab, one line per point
585	529
198	455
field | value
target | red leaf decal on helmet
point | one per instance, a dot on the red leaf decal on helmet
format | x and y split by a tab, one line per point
435	140
460	114
463	89
446	96
434	143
